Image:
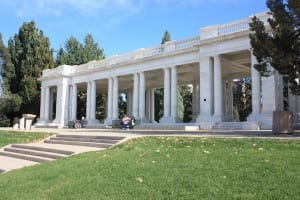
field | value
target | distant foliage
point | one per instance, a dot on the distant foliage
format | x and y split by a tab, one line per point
76	53
242	99
186	93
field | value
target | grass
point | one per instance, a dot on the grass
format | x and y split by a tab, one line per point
166	168
12	137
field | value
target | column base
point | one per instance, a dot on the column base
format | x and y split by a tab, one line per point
111	121
210	118
169	120
42	122
93	122
265	119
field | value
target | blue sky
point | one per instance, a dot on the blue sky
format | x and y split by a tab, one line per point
121	26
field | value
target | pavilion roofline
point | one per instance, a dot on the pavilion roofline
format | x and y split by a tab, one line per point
206	33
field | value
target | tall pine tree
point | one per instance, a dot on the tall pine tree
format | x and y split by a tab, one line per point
279	47
30	54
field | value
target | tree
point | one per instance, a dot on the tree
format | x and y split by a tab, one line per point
166	38
10	103
6	67
76	53
30	55
242	99
186	94
279	47
91	50
73	53
158	103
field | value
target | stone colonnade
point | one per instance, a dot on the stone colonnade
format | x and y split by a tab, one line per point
209	94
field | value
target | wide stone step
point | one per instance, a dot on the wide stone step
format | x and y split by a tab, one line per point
34	153
25	157
236	126
81	139
92	137
77	143
57	151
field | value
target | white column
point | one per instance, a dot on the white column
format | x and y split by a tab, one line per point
67	107
115	114
270	101
148	105
195	101
218	88
88	101
142	96
61	103
255	76
167	92
206	89
174	93
271	94
135	102
129	103
42	104
108	119
92	119
51	100
294	106
152	105
74	101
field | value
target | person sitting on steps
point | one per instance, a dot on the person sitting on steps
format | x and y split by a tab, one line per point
126	122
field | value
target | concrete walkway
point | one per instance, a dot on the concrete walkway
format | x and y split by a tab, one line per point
9	163
267	134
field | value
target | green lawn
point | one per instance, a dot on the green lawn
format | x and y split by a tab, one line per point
12	137
166	168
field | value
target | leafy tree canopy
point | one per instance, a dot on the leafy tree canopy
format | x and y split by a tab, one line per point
278	46
76	53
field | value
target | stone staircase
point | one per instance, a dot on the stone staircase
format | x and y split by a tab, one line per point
19	155
88	141
251	125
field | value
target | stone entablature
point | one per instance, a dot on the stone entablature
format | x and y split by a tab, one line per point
209	62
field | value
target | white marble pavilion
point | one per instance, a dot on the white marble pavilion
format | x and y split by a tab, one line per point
209	62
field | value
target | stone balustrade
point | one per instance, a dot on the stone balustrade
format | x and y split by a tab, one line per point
206	33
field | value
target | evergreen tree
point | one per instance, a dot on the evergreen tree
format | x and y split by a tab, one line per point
91	50
73	53
166	38
6	67
76	53
30	54
10	103
279	47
